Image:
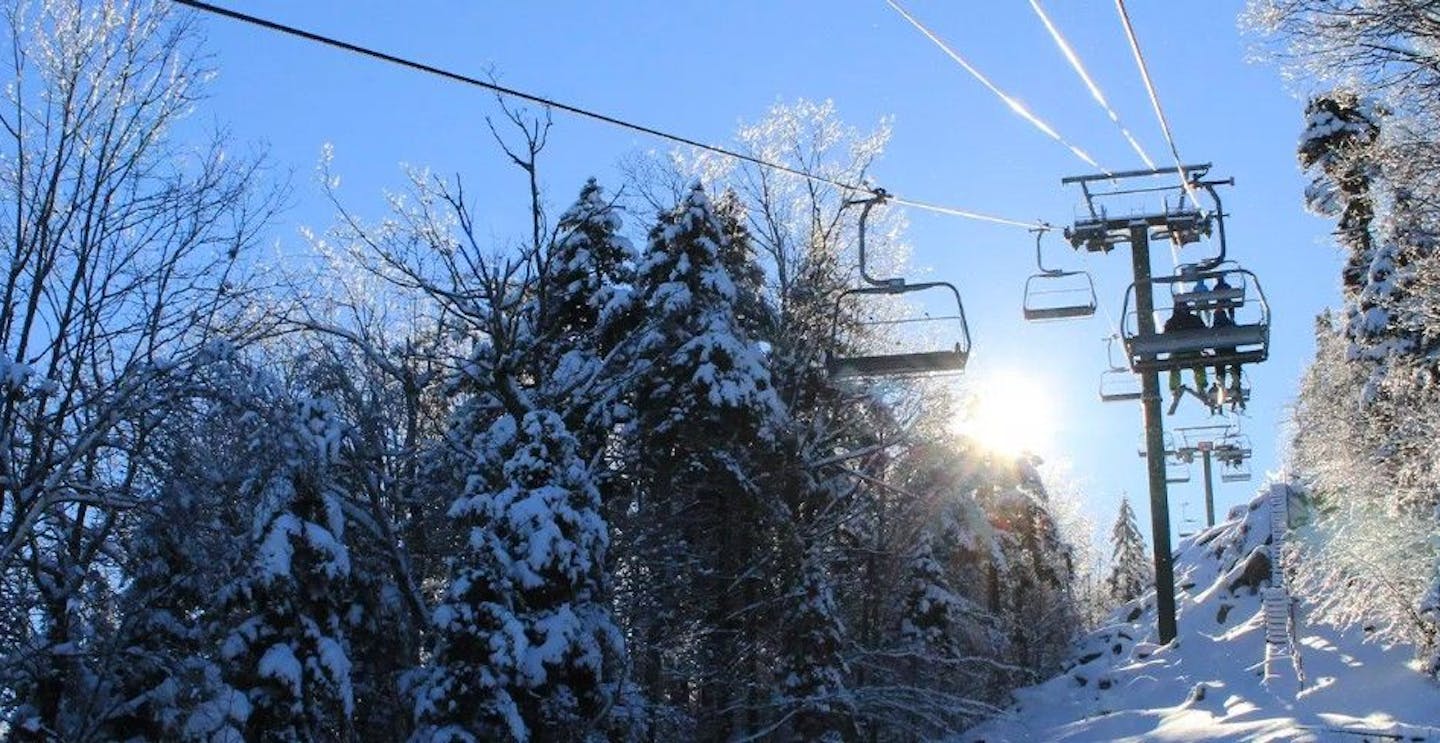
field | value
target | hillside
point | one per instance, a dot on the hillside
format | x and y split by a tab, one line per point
1220	679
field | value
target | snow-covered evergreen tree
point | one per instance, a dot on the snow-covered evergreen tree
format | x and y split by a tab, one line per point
584	290
1130	569
286	650
697	453
693	346
168	683
1383	225
1034	569
757	317
931	614
813	670
1337	146
525	646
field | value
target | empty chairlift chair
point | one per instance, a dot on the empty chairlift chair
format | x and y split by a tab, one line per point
1177	468
1246	341
874	337
1117	382
1055	294
893	329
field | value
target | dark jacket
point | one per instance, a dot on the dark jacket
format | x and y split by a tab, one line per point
1182	318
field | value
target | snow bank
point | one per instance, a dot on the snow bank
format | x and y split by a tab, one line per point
1209	684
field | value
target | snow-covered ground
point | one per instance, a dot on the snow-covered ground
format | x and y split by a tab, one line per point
1212	684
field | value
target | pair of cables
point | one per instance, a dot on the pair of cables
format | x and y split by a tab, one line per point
1096	93
1086	78
1011	102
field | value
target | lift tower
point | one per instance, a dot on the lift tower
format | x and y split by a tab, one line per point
1219	442
1101	232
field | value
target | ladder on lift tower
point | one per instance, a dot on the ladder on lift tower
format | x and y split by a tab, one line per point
1277	607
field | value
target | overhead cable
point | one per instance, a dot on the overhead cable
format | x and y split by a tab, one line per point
578	111
1155	101
1075	64
1014	105
939	209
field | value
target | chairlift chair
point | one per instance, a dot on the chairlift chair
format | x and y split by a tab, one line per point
896	340
1234	452
1118	383
1246	342
1055	294
1201	437
899	346
1177	468
1238	472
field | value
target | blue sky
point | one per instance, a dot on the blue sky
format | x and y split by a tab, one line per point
700	69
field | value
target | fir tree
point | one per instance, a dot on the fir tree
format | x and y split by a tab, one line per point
697	452
526	648
583	294
754	311
1337	146
1130	571
168	685
287	651
813	670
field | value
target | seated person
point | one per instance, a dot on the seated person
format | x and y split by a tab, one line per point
1184	318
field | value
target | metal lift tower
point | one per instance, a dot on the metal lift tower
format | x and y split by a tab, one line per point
1100	232
1222	442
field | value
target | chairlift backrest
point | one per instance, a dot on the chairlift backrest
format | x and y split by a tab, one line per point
914	343
1119	385
1056	294
1209	290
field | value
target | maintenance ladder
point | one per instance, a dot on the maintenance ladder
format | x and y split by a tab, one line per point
1277	606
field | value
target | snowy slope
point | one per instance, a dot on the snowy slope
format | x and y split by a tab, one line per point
1211	683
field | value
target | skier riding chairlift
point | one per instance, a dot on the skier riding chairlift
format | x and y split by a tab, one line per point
1183	317
1224	317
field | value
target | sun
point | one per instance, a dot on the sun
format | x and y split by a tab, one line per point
1009	413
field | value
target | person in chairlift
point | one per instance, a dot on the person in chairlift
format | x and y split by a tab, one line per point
1182	317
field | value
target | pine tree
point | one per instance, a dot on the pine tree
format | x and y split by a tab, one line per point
168	685
693	345
754	312
287	650
932	614
525	644
583	295
813	670
1130	571
696	452
1034	567
1337	146
526	649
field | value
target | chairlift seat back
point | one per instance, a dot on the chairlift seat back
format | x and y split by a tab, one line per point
1119	385
950	357
1055	295
1210	299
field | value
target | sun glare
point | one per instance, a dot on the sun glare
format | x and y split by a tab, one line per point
1009	413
